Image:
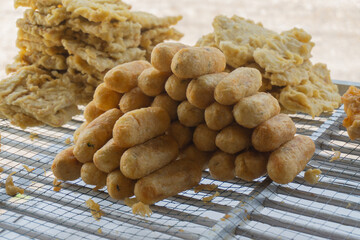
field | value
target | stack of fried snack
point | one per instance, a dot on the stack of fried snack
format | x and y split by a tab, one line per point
66	47
283	59
152	128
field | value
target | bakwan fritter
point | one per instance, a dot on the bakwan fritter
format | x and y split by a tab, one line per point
66	47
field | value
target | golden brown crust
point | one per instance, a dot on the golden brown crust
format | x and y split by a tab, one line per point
204	138
190	115
118	186
134	99
107	158
233	139
222	166
65	166
250	165
218	116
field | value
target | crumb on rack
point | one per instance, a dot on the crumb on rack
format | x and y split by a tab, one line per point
1	169
33	136
312	176
56	184
141	209
10	188
130	201
181	230
44	172
99	231
209	198
96	188
209	187
94	209
348	205
28	169
67	141
226	216
336	155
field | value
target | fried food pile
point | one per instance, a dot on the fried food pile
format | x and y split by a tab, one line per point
351	101
283	60
152	128
66	47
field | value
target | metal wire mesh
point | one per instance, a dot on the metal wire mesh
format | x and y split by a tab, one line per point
257	210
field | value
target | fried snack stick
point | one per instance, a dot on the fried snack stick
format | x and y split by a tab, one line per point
141	160
176	87
95	135
105	98
168	181
200	91
123	78
272	133
79	130
290	159
134	99
140	125
167	103
91	175
233	139
195	155
162	55
183	135
221	166
240	83
119	186
152	82
351	101
189	115
91	112
250	165
256	109
193	62
107	158
204	138
218	116
65	166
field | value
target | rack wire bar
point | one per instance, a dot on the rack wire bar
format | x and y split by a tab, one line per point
260	209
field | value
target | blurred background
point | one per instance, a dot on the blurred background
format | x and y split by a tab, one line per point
334	25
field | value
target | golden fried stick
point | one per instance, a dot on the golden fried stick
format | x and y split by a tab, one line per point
233	139
119	186
91	112
250	165
183	135
65	166
218	116
222	166
107	158
152	82
162	55
167	103
105	98
91	175
204	138
190	115
134	99
176	87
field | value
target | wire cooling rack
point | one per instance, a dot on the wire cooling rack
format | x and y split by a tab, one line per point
257	210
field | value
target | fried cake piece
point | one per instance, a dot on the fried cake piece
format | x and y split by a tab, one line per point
32	96
238	38
82	66
284	51
51	62
54	18
36	4
351	101
148	20
98	10
292	76
314	95
207	40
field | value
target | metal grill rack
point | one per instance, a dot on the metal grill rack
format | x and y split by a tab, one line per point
258	210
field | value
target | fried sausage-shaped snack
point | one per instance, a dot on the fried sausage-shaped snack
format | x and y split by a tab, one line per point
221	166
91	175
119	186
176	87
272	133
106	99
123	78
240	83
204	138
167	103
143	159
200	91
140	125
152	82
233	139
79	130
168	181
189	115
107	158
290	159
193	62
91	112
218	116
65	166
134	99
250	165
183	135
95	135
162	55
194	154
251	111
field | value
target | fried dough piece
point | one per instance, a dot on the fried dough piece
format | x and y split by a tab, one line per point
292	76
313	96
200	157
238	38
77	63
207	40
218	116
148	20
233	139
31	96
91	175
284	51
55	18
152	82
106	99
190	115
351	101
35	4
38	59
98	10
31	46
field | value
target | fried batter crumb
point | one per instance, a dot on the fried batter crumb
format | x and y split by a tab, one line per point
99	231
336	155
348	205
226	216
67	141
33	136
130	201
10	188
97	188
141	209
44	172
28	169
181	230
95	209
208	199
56	184
209	187
1	169
312	176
